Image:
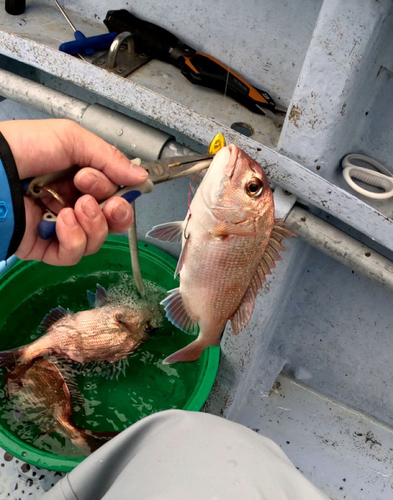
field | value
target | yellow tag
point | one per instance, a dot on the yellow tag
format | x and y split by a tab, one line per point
217	143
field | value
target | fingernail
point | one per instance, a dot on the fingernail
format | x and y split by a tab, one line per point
140	172
119	213
87	181
69	217
91	209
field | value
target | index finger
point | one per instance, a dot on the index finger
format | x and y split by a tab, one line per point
43	146
89	150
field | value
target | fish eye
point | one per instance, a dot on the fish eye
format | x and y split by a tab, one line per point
254	187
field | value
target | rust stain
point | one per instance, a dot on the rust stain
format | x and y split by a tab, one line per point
295	114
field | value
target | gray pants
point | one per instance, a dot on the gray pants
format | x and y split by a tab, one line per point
179	455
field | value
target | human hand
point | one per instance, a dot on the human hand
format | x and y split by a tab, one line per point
43	146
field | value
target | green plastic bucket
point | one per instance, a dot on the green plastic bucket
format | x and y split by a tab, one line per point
28	290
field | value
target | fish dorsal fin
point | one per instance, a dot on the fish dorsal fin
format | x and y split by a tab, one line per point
177	314
98	299
243	314
91	298
52	317
170	231
274	246
102	297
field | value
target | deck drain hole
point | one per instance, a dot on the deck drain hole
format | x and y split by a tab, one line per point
243	128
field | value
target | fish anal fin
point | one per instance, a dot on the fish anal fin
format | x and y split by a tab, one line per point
191	352
228	229
177	314
170	231
52	317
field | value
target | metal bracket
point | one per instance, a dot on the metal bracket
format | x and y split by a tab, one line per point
121	57
283	202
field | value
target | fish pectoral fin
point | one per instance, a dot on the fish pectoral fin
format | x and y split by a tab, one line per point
52	317
170	231
177	314
228	229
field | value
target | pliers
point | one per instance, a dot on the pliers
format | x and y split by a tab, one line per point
159	171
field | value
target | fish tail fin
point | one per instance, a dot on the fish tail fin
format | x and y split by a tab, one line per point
191	352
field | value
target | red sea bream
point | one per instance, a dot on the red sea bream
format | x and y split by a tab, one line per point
230	241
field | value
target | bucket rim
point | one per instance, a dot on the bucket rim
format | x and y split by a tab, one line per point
207	374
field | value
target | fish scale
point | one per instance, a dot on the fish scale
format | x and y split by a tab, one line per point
109	332
229	271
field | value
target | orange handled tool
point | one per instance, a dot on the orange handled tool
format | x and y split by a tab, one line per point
198	68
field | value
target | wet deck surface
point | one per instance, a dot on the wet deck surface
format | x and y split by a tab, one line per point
346	454
21	481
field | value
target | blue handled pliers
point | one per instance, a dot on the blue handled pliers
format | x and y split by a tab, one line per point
159	171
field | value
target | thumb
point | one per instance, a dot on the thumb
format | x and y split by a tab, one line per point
43	146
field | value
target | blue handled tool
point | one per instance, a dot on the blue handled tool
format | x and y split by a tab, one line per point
87	45
83	44
159	171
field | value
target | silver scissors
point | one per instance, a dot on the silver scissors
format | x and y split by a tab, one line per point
382	179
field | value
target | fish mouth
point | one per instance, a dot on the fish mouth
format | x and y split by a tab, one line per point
226	163
231	166
218	175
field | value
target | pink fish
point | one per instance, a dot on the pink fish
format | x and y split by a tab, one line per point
109	332
230	241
